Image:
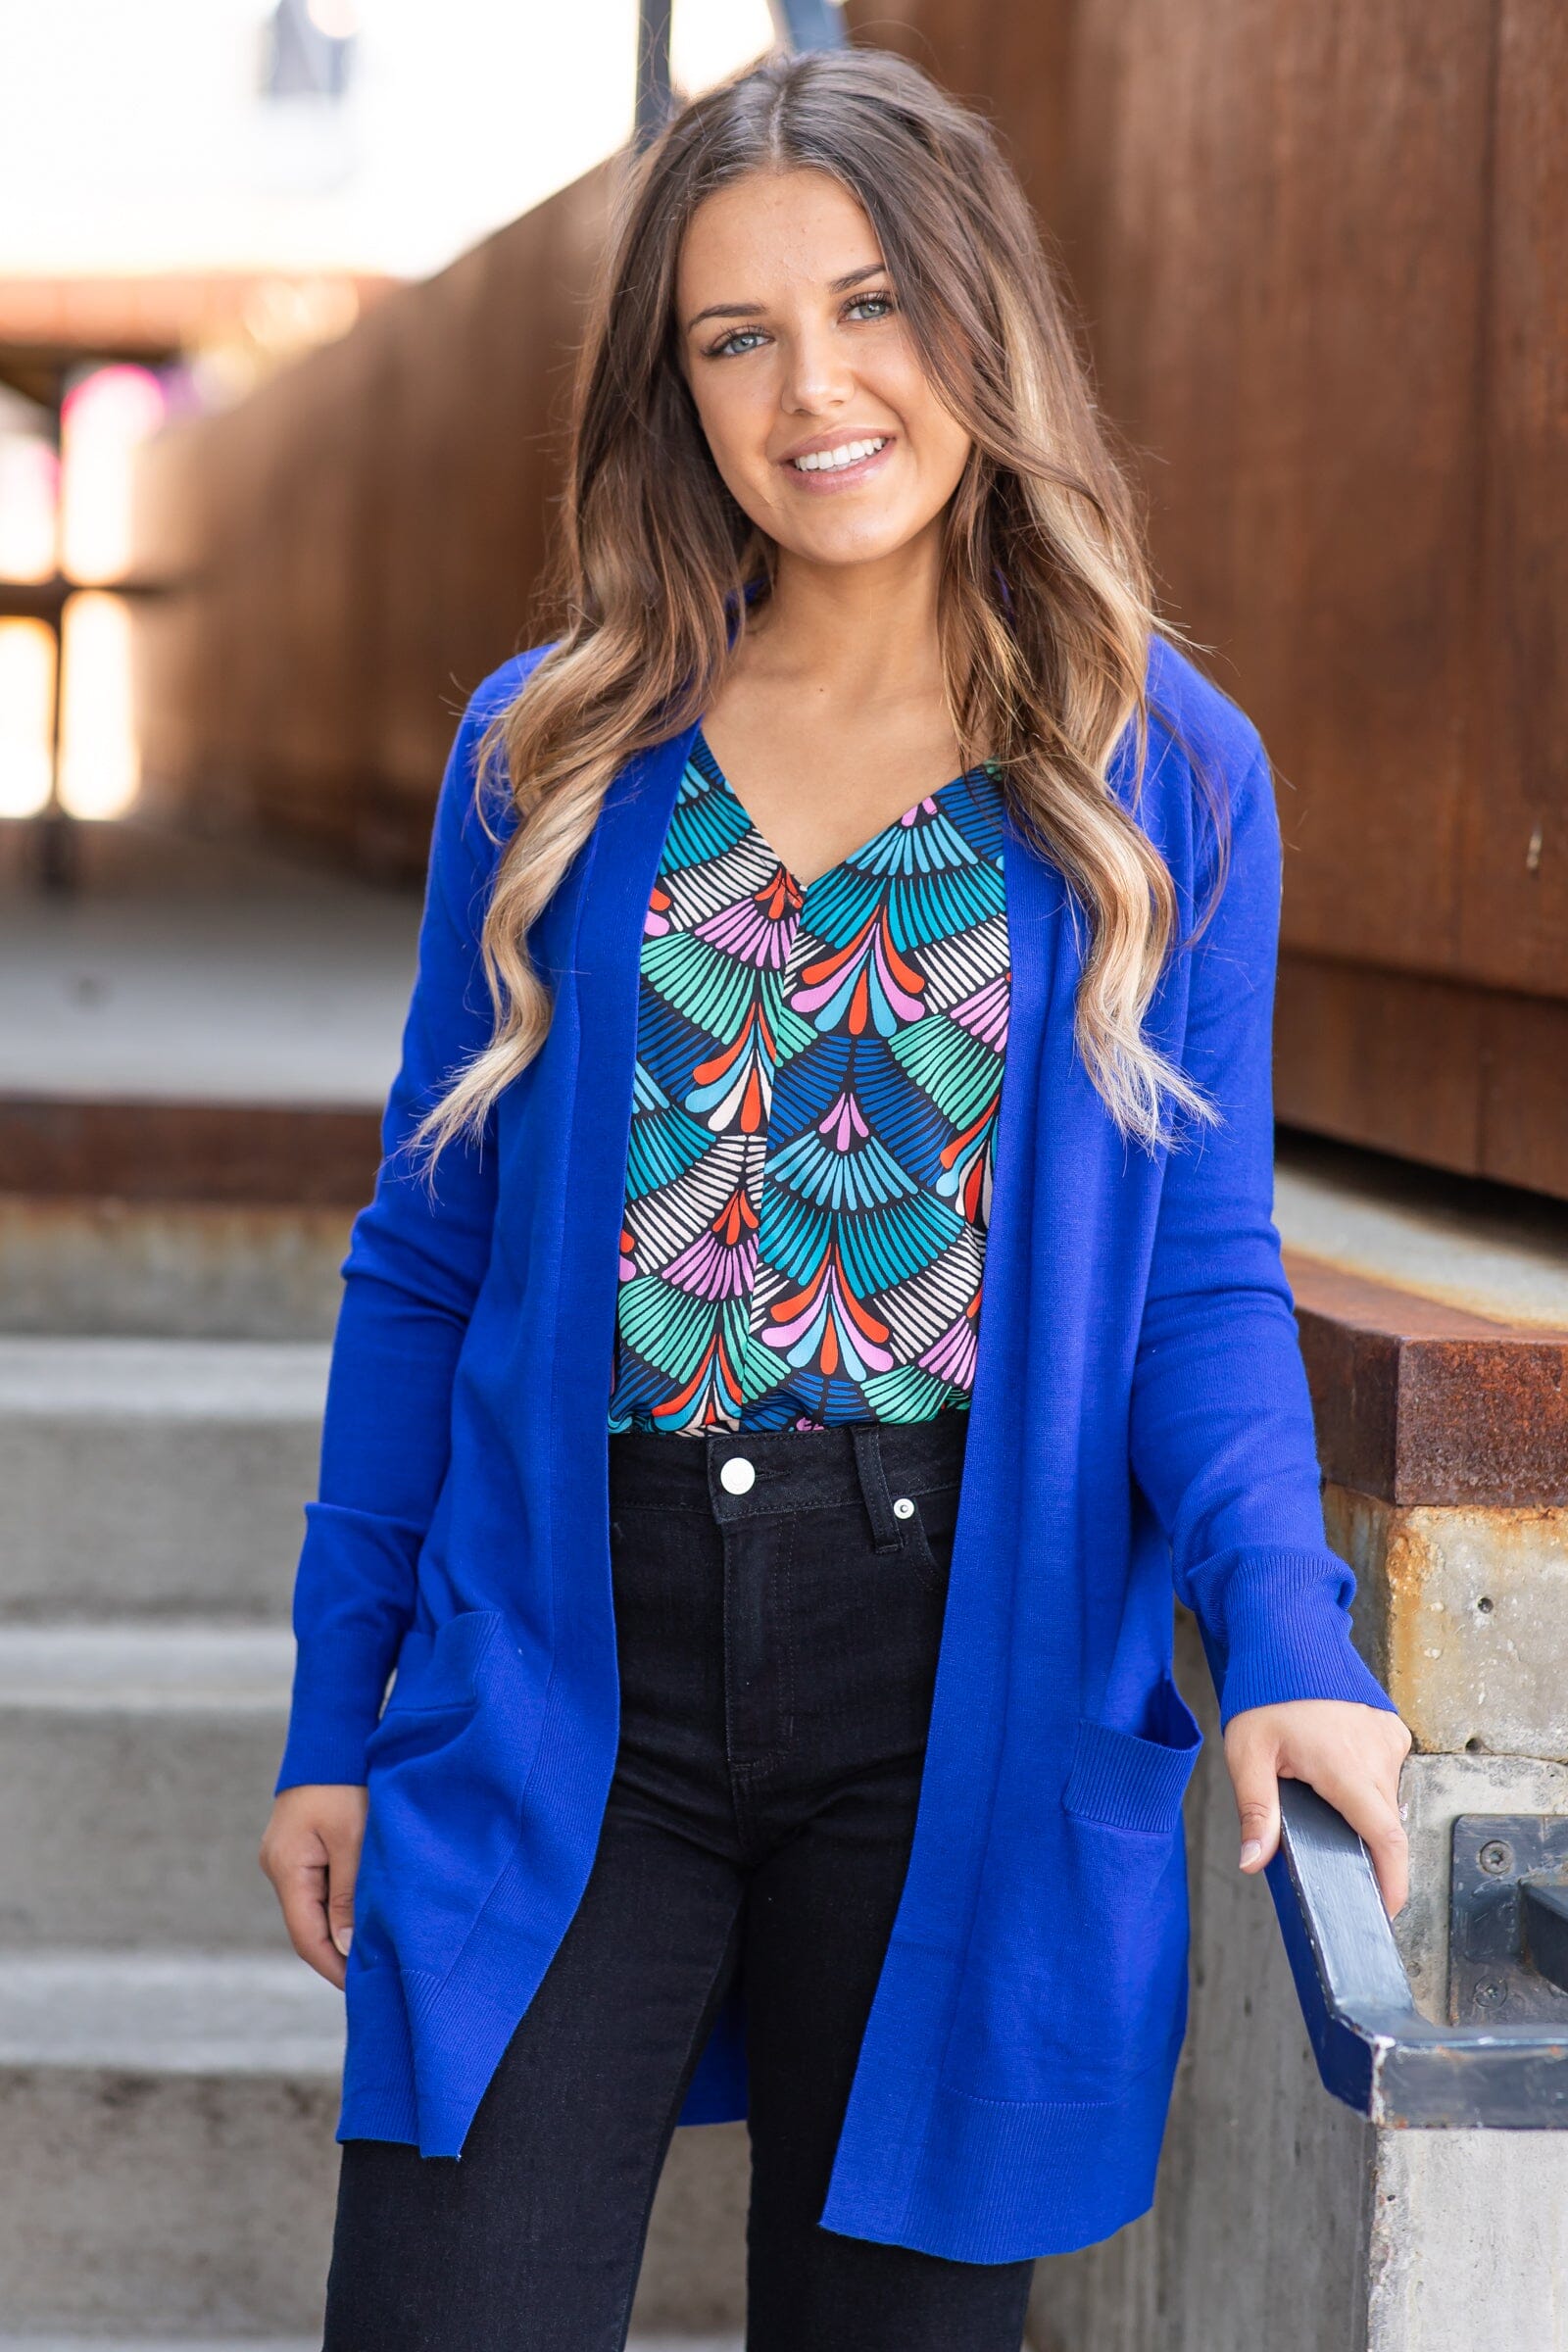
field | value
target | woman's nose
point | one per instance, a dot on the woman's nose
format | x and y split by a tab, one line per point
817	375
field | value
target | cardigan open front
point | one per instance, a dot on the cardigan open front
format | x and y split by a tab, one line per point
1139	1414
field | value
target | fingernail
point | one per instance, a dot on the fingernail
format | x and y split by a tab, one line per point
1251	1852
343	1937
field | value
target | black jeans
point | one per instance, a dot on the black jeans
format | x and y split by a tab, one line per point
778	1648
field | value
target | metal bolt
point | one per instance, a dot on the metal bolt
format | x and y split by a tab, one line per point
1495	1857
1490	1992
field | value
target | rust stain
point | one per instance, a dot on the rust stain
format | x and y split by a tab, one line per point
1417	1402
1463	1615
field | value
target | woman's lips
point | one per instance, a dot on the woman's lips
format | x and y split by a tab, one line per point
828	478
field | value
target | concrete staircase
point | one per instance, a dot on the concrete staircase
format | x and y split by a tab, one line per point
169	2071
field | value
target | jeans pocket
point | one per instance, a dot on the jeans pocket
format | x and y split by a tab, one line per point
928	1534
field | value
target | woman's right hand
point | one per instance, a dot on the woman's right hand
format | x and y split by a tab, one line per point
311	1853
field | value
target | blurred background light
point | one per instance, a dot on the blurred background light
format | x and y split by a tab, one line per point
29	477
26	715
100	767
283	161
105	418
169	136
711	39
338	20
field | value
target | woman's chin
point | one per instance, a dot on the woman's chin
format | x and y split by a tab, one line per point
854	541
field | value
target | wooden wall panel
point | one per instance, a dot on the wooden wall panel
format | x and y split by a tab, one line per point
1391	1059
1271	217
361	541
1015	60
1322	252
1513	908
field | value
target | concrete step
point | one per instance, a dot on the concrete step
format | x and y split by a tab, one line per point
136	1768
300	2343
165	2343
158	1475
168	2121
169	2013
169	1269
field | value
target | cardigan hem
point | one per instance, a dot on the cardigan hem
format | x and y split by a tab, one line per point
1010	2180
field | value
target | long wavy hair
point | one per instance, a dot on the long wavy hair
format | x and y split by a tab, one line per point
1044	601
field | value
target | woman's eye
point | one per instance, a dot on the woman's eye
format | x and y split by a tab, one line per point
879	306
744	338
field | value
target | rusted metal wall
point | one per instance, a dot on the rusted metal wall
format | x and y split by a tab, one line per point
359	543
1322	251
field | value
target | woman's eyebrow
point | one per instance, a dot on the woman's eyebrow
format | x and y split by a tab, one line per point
754	310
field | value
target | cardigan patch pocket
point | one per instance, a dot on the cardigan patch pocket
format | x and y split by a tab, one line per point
435	1678
1130	1782
445	1767
440	1672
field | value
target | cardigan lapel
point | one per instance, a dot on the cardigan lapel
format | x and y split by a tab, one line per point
598	997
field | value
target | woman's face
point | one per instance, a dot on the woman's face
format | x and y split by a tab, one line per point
819	416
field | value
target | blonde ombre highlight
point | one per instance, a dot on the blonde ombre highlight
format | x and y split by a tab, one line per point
1044	607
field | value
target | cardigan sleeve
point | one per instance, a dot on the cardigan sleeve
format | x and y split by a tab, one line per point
416	1256
1222	1436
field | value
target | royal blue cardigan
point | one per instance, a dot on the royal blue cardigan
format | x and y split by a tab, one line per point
1140	1416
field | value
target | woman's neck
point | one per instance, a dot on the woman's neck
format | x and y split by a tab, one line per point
853	633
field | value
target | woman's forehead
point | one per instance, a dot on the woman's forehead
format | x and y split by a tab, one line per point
801	227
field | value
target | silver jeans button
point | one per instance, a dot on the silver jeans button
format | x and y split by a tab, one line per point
903	1509
737	1476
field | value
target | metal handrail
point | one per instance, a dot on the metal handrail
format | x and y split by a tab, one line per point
1374	2048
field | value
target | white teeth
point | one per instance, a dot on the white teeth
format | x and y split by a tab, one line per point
825	460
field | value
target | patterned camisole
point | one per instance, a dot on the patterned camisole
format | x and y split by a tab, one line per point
817	1078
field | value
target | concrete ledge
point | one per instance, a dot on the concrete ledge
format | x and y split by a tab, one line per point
1463	1617
166	2203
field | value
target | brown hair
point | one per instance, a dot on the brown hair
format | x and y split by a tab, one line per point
1045	606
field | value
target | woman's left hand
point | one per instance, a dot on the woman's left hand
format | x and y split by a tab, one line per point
1350	1755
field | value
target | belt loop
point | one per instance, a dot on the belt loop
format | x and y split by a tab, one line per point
887	1535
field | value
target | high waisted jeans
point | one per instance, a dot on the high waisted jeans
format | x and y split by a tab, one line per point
778	1609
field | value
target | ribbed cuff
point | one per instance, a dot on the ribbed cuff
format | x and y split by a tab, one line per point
326	1742
1288	1636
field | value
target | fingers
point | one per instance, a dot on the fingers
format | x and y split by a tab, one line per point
1350	1753
1370	1803
343	1862
311	1853
303	1891
1255	1782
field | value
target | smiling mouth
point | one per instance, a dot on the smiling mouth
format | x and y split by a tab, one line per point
842	459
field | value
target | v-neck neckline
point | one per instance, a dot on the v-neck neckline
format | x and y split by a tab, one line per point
701	742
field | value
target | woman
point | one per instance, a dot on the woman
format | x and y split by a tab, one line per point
857	898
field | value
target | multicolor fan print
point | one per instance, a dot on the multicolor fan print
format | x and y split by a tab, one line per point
817	1081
